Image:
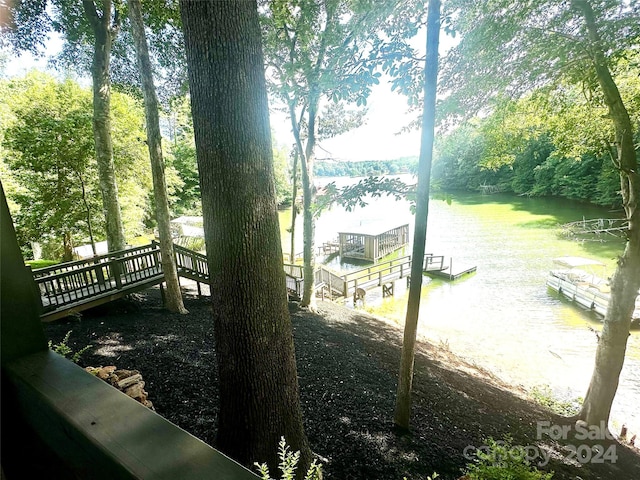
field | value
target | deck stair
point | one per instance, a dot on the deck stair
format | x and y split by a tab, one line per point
191	265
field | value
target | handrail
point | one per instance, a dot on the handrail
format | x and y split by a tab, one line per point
68	266
112	273
199	264
75	284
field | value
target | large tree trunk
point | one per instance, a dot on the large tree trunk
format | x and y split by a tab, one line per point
626	279
405	378
104	32
173	298
259	399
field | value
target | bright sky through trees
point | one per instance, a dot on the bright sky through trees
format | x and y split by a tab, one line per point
377	139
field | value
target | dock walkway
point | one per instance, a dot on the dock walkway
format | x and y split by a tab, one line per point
69	288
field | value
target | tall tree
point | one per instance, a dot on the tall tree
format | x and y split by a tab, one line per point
511	48
49	151
48	134
89	29
318	51
105	26
405	379
173	297
259	399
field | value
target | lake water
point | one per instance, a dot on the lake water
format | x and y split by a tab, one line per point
503	317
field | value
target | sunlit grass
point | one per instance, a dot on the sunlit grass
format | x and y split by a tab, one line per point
141	240
35	264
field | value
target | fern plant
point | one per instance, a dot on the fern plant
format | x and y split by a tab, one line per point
66	351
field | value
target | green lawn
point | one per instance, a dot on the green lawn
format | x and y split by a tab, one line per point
34	264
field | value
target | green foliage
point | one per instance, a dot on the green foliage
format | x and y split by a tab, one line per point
35	264
48	161
553	142
509	48
181	159
49	152
366	168
503	461
66	351
544	396
289	464
281	176
358	195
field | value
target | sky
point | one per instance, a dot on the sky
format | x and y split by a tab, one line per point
377	139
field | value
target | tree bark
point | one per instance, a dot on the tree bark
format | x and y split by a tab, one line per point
259	399
294	206
67	242
87	210
308	223
173	298
306	154
104	33
405	378
625	281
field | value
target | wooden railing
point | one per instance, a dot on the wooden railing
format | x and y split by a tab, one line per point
75	282
434	262
377	275
191	264
85	283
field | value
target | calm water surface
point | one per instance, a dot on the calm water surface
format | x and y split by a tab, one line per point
503	317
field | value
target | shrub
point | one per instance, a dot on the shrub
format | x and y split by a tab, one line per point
289	464
545	397
503	461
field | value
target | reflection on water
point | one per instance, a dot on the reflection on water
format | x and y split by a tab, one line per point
503	317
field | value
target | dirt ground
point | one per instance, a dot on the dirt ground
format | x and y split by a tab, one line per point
347	365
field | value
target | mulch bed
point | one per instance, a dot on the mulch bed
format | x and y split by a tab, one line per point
347	364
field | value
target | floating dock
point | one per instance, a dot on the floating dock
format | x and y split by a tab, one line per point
439	267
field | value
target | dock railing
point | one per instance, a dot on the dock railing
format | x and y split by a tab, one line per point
377	275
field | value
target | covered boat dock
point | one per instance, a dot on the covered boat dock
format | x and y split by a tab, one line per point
372	242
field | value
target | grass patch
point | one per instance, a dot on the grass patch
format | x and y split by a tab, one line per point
35	264
543	395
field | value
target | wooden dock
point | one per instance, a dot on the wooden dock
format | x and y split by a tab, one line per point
446	270
372	242
69	288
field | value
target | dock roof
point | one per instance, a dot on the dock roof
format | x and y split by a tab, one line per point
373	228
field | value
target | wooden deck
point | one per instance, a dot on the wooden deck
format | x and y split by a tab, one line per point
379	275
444	268
69	288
